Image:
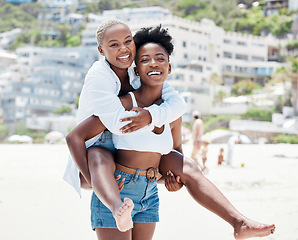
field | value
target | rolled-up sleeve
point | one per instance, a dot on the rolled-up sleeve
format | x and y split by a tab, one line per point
99	98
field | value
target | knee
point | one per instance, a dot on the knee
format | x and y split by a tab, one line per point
191	169
100	157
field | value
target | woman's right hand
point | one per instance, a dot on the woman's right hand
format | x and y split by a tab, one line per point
121	183
173	183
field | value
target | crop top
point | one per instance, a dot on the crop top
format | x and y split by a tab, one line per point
145	141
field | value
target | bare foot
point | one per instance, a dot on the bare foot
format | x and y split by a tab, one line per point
123	216
248	229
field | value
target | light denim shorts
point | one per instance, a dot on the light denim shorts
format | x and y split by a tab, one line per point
105	141
142	192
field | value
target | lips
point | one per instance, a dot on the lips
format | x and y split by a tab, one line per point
124	57
154	73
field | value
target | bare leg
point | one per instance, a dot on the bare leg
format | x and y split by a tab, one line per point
208	195
112	234
143	231
102	167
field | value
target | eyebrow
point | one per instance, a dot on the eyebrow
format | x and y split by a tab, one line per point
114	40
157	54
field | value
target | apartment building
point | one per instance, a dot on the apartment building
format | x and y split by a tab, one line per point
44	80
273	6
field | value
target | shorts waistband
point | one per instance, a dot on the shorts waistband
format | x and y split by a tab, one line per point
151	173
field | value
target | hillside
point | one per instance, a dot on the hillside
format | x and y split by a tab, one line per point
225	14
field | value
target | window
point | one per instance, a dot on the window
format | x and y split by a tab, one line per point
241	57
184	44
227	55
227	68
241	43
258	59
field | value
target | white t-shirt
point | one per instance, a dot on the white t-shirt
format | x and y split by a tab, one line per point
99	97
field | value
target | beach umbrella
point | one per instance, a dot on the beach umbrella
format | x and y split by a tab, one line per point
25	139
244	139
20	138
54	136
14	138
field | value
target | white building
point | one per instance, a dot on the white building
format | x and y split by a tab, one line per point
43	80
6	38
293	5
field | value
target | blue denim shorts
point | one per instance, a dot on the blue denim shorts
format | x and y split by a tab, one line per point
105	141
140	190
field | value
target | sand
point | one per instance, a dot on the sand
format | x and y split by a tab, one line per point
36	204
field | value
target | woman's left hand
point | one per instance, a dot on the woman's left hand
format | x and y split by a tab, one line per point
140	120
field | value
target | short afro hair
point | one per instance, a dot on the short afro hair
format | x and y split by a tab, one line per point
104	26
157	35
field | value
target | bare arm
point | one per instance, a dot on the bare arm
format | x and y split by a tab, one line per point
176	134
76	139
173	183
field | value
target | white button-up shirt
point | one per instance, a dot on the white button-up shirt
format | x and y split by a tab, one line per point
99	97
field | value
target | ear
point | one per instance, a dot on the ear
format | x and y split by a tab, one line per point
170	68
100	50
136	71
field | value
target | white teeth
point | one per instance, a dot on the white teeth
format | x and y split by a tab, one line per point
154	73
124	57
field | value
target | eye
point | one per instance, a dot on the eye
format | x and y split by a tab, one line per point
160	59
144	60
114	45
128	41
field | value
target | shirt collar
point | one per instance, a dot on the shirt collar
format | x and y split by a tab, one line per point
134	80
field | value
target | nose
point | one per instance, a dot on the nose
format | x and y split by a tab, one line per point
153	62
123	47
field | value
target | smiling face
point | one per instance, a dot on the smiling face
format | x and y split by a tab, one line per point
152	64
118	47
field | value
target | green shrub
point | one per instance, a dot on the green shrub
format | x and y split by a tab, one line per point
3	131
215	122
244	88
283	138
63	109
258	114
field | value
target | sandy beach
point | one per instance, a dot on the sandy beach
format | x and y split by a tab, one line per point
36	204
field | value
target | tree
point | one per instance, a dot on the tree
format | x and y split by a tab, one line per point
3	131
290	72
220	96
214	80
293	73
244	87
281	75
21	129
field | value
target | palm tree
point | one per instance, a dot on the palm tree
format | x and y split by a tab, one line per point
220	96
281	75
214	80
293	72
